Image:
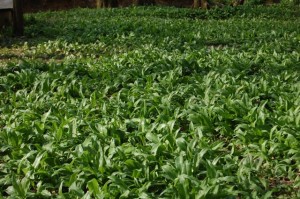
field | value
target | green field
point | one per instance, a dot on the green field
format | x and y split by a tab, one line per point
152	102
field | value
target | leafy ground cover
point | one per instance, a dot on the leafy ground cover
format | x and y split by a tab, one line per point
152	103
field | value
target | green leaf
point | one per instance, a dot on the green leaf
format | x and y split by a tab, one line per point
20	187
46	193
152	138
169	172
181	143
38	159
45	116
93	187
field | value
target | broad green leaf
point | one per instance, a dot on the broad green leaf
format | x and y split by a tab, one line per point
152	137
93	187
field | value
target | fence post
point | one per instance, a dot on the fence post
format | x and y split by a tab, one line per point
18	21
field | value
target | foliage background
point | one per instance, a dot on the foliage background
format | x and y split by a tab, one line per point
152	102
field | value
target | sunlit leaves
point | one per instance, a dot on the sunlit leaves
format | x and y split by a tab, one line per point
152	107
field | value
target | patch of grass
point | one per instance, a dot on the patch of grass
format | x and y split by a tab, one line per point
151	103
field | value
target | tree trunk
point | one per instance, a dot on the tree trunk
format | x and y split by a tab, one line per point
204	4
100	4
18	21
5	18
201	3
196	4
